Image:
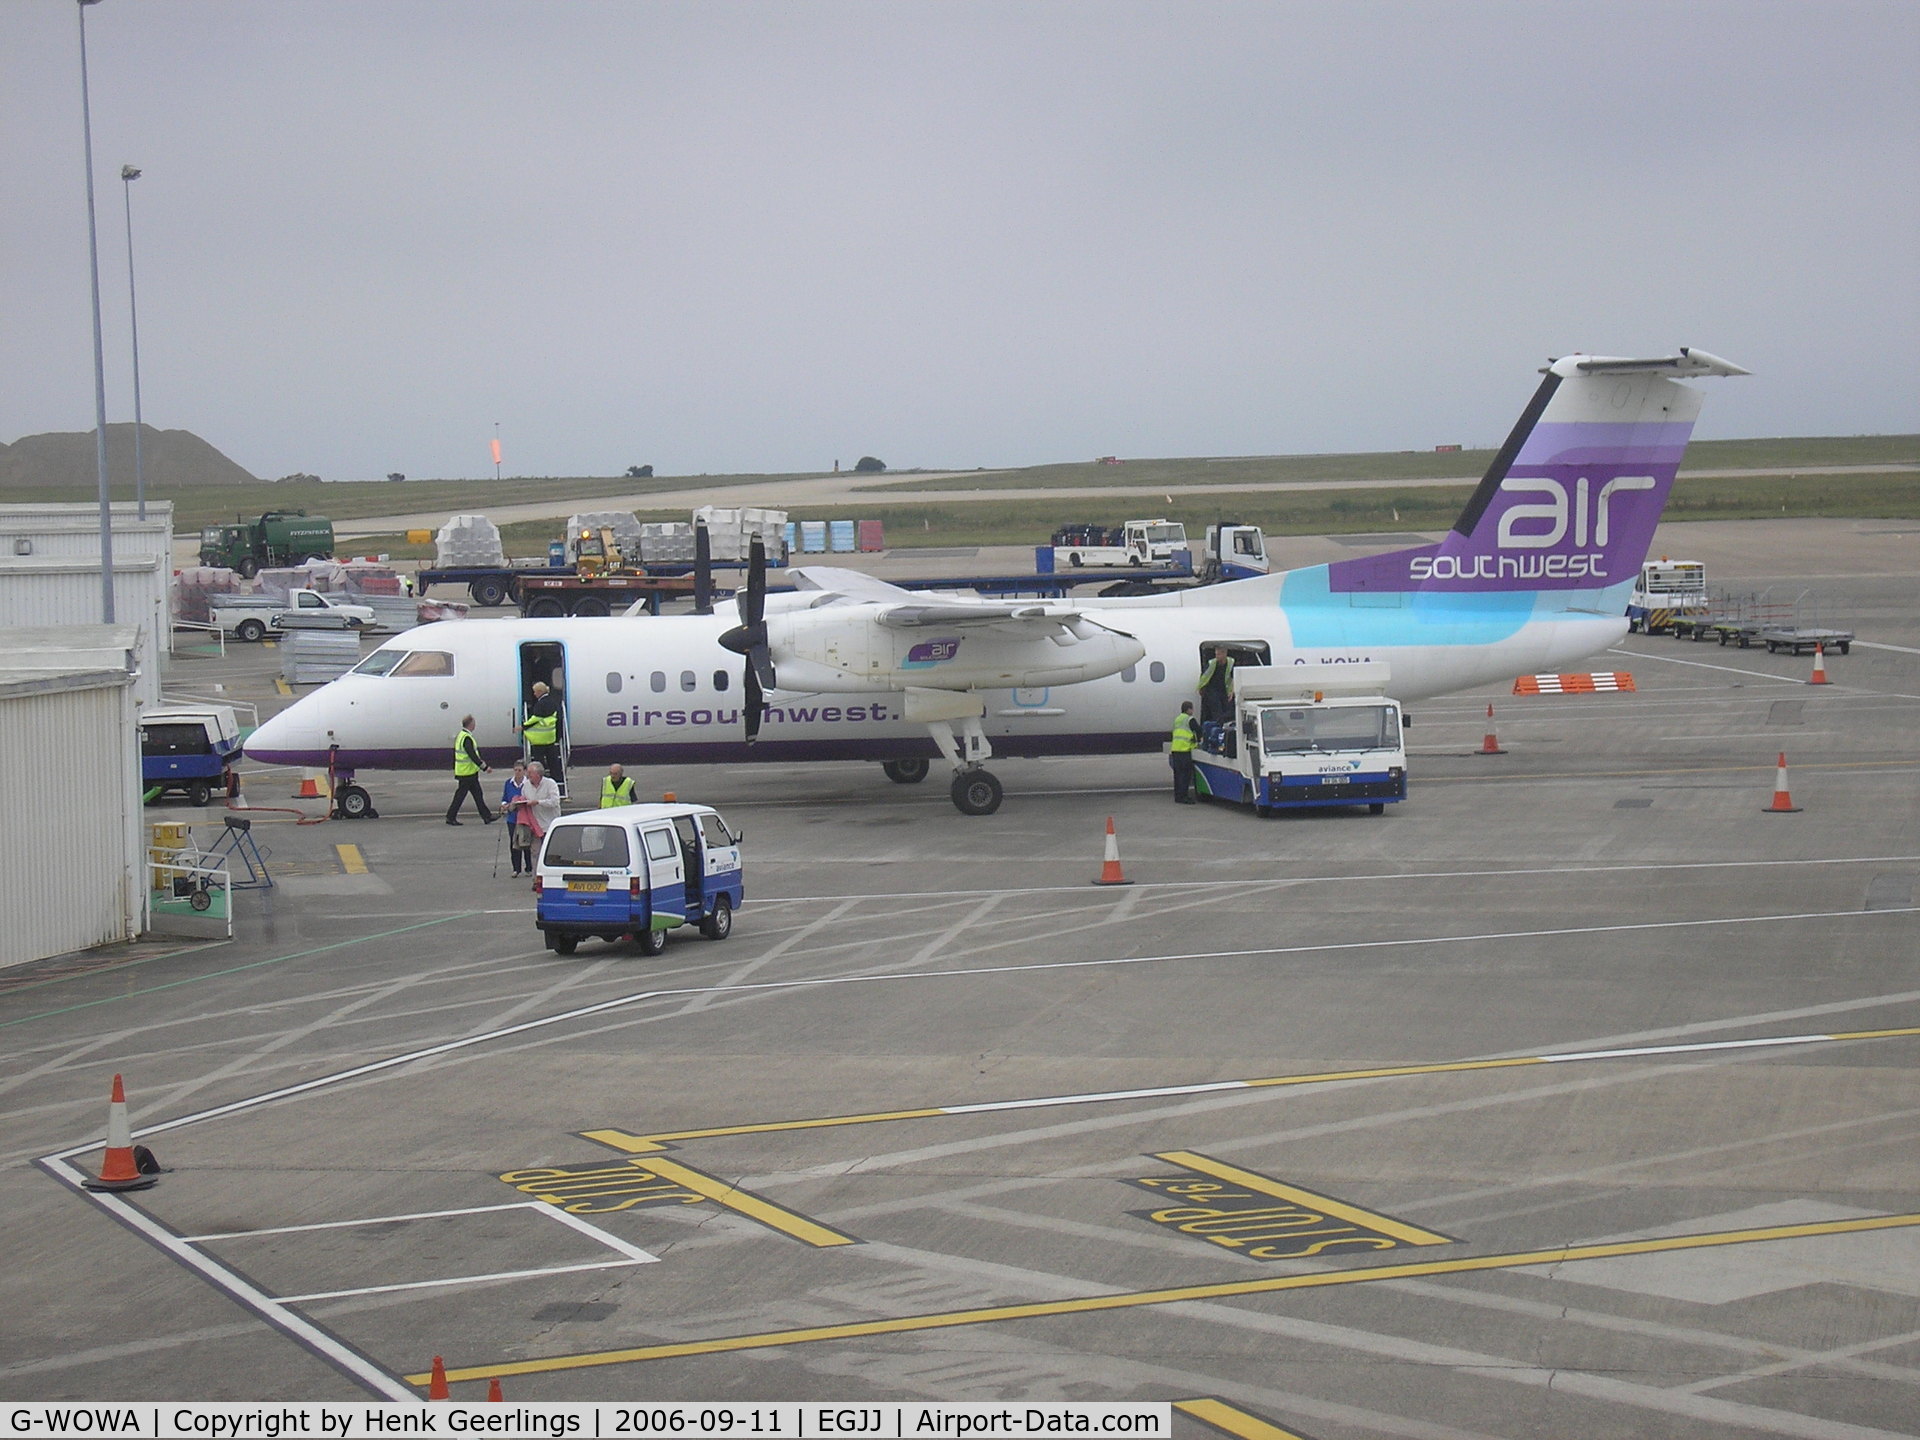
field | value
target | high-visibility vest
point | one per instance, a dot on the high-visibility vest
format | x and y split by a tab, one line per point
541	729
1185	733
1221	670
463	761
612	795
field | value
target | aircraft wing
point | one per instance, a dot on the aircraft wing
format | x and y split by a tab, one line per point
853	584
1012	617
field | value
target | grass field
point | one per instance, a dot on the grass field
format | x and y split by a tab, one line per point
988	521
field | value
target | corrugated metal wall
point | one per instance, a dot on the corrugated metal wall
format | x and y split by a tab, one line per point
50	591
74	858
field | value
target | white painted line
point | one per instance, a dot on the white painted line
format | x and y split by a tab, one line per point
304	1332
1877	645
1703	665
629	1254
1094	1099
1687	1049
456	1280
349	1224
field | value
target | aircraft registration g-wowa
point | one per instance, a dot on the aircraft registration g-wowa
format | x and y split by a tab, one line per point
1534	576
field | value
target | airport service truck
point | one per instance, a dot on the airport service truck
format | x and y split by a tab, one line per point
1667	590
277	538
1136	543
254	617
1306	736
1233	552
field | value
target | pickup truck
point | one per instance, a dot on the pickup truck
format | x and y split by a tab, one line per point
254	617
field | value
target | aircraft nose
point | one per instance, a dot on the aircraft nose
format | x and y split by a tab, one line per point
288	738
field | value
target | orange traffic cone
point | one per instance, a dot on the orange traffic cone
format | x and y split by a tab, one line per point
1819	666
1782	801
437	1382
120	1169
1490	745
493	1389
1110	873
310	786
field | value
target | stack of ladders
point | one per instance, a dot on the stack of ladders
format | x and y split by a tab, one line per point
468	542
313	657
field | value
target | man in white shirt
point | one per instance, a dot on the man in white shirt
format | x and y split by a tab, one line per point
544	797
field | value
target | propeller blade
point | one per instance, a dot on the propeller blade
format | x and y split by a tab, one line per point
760	664
702	571
755	707
753	604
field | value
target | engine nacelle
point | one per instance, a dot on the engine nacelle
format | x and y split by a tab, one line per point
832	650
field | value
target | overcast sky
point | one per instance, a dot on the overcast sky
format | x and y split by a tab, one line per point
725	237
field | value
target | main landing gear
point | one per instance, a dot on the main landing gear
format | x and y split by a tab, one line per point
906	772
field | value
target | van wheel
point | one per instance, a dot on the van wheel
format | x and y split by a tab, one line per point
563	944
652	941
719	925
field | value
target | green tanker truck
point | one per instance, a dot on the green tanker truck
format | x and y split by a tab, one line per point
279	537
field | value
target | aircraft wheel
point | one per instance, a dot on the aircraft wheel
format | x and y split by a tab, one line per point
251	631
563	944
719	925
353	803
976	792
652	941
199	793
906	772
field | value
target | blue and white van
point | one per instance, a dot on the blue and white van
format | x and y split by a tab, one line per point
638	870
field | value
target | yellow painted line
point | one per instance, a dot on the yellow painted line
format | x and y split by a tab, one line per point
351	859
1234	1421
1249	1180
745	1202
1385	1071
282	686
1176	1295
1874	1034
648	1144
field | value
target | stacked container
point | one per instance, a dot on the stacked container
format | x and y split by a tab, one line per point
468	542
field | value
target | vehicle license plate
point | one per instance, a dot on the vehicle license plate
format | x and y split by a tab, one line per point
591	887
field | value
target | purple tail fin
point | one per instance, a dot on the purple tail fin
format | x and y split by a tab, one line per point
1572	498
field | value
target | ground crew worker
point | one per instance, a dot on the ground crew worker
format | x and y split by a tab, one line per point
1216	688
467	766
1186	735
616	789
542	729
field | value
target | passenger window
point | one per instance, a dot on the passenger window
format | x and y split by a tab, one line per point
1129	674
720	681
425	662
660	844
613	682
715	829
1156	672
658	681
688	680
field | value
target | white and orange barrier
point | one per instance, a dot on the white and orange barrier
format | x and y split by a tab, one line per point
1598	682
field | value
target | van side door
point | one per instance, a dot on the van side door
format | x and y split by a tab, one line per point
721	860
666	873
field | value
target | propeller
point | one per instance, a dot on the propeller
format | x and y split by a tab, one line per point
702	571
749	639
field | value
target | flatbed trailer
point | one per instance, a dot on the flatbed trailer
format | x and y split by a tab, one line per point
492	585
1803	640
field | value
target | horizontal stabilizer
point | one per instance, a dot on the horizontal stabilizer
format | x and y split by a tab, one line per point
1689	362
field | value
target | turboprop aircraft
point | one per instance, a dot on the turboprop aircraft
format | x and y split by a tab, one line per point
1533	576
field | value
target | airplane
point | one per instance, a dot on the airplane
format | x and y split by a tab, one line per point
1533	576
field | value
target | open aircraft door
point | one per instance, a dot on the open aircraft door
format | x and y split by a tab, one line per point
545	661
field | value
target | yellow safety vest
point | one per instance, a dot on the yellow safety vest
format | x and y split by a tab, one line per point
1185	734
463	763
541	729
612	795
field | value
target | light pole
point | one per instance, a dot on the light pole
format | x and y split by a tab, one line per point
129	174
99	357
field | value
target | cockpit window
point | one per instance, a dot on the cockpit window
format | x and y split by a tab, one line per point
425	662
380	662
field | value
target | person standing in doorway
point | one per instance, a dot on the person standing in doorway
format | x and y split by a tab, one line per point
467	766
542	729
1186	735
1216	688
